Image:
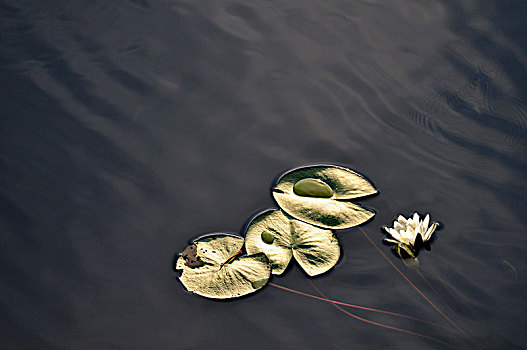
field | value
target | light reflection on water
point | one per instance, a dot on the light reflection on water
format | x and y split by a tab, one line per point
128	128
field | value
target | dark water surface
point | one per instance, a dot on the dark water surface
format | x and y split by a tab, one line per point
129	127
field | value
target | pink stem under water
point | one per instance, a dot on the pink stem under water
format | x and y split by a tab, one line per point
415	287
336	305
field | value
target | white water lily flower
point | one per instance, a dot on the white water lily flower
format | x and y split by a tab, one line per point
410	234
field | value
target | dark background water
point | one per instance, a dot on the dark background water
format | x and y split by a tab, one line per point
128	128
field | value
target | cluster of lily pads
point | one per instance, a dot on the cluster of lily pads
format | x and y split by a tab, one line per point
313	201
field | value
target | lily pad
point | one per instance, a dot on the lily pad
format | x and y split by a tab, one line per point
315	249
222	272
321	194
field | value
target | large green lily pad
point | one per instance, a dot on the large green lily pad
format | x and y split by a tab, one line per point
212	266
280	237
321	194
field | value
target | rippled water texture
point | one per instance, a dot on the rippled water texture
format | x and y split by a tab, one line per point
129	127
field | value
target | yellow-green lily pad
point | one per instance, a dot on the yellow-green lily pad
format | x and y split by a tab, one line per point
321	194
315	249
212	266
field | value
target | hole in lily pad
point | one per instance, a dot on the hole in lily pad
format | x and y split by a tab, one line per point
267	237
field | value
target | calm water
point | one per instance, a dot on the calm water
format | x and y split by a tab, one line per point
129	127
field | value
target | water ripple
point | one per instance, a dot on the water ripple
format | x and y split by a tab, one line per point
474	113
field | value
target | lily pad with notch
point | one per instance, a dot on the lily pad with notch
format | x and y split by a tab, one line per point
281	237
321	195
213	266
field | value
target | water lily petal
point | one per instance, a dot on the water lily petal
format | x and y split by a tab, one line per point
388	240
429	232
406	234
425	223
394	233
397	226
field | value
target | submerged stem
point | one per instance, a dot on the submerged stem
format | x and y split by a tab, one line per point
315	287
415	287
336	305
